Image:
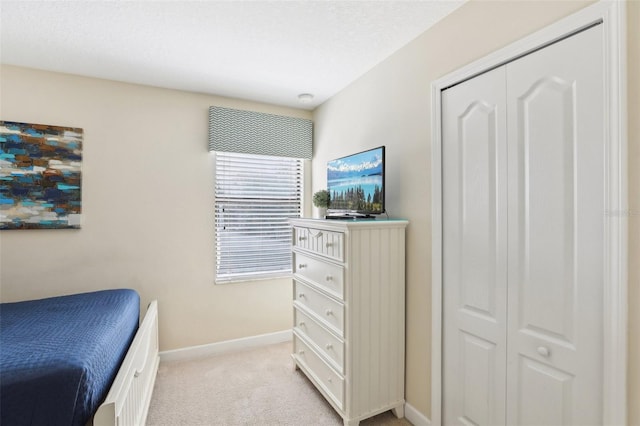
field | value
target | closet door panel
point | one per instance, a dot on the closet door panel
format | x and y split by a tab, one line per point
556	222
474	251
546	193
545	394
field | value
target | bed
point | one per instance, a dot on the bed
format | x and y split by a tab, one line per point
79	360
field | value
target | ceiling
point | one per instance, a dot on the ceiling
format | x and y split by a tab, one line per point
264	51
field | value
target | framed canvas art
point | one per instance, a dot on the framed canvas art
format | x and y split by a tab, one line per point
40	176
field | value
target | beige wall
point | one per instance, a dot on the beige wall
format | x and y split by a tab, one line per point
147	208
390	105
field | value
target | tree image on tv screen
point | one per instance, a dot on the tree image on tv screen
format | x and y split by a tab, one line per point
356	199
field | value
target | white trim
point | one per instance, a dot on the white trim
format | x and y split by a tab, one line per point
414	416
612	14
616	233
436	255
227	346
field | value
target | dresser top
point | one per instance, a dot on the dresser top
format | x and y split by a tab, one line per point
342	224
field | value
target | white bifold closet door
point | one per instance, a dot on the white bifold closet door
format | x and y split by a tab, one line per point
475	250
523	231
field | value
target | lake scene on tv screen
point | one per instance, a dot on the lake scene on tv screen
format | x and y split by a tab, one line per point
355	182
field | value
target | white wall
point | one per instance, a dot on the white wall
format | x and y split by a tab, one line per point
633	71
391	106
147	208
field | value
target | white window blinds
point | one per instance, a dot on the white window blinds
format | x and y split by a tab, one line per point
255	195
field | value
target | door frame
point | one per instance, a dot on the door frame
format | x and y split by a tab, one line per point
612	16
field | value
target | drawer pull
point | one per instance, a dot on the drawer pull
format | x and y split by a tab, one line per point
301	352
329	278
329	346
329	380
544	351
328	245
301	238
300	295
301	324
328	312
302	265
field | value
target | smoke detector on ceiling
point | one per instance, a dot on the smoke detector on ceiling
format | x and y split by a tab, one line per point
305	98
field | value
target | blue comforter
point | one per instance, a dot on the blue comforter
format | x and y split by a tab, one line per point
59	356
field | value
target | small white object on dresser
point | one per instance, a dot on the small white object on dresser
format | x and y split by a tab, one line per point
349	311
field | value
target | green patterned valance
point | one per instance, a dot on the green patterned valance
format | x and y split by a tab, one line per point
249	132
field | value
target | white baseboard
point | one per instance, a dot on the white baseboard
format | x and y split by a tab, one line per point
217	348
414	416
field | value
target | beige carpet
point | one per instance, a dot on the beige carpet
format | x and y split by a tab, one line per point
253	387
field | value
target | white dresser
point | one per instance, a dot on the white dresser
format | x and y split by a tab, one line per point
349	310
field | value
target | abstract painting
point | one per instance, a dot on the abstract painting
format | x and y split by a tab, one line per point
40	176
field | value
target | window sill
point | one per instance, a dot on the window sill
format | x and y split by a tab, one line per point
249	279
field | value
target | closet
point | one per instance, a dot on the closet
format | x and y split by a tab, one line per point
523	239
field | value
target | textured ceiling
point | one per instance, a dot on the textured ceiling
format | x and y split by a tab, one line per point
265	51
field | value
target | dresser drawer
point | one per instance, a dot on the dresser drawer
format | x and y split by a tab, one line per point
327	310
320	241
326	343
330	381
326	275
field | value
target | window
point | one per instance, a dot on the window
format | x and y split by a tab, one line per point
259	164
255	195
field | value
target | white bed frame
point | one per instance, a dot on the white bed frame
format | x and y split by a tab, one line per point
127	402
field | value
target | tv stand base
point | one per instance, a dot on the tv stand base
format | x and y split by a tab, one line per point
350	217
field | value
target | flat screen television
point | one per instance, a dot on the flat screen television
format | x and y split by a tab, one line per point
356	185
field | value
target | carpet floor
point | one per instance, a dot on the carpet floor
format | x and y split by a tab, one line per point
253	387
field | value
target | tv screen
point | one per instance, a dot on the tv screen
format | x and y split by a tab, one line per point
356	184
